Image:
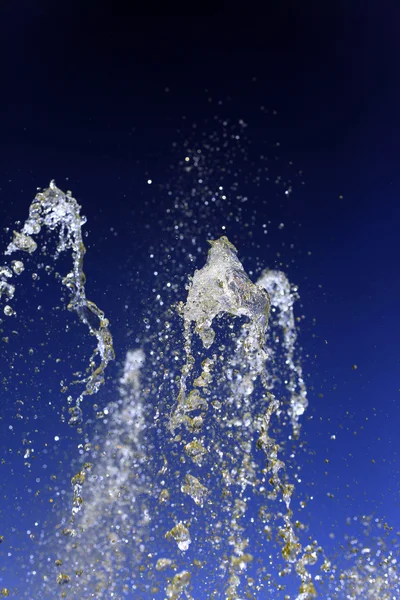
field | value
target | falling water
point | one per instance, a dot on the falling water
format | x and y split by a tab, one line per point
59	212
183	490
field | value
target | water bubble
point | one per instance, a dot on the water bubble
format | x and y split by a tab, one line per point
17	266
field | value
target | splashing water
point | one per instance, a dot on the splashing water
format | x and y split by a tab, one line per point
60	212
283	295
113	516
223	288
184	491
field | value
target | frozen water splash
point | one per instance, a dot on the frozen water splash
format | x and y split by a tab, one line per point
206	523
367	565
223	289
181	535
178	585
220	288
282	334
60	212
113	514
221	500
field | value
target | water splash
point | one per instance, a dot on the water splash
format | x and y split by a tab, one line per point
283	296
222	288
58	211
166	510
113	515
367	565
